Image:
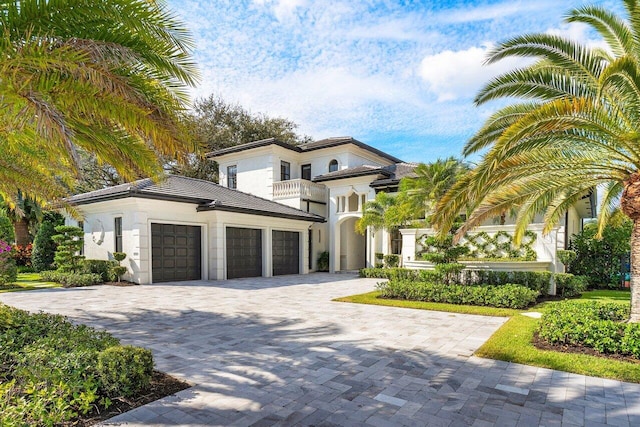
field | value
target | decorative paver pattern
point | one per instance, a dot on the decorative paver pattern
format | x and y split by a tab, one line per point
277	351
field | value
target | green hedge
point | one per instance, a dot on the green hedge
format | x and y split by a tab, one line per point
100	266
567	285
504	296
71	280
597	325
50	369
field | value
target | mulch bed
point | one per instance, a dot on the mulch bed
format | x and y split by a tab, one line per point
544	345
162	385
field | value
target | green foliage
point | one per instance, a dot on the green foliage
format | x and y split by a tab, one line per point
600	260
441	250
6	229
50	368
568	285
500	246
71	279
507	296
44	247
69	241
119	256
379	256
449	272
124	370
8	269
391	260
597	325
323	261
566	257
537	281
101	267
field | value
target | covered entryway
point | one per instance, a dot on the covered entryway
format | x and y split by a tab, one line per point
286	252
175	252
244	252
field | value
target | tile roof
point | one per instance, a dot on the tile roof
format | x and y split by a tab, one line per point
352	172
396	173
303	148
208	195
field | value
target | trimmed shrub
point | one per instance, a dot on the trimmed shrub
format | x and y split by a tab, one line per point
101	267
568	285
391	261
48	368
71	280
44	248
323	261
593	324
70	241
124	370
7	233
8	269
504	296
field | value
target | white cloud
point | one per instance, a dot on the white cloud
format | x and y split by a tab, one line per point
491	12
453	75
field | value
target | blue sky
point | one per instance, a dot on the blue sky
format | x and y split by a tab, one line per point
398	75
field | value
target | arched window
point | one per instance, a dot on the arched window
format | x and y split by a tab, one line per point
333	165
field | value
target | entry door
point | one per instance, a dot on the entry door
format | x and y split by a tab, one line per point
244	252
286	252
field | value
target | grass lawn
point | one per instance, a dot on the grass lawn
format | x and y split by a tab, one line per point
512	342
27	282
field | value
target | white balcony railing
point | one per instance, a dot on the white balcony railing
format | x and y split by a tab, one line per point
299	188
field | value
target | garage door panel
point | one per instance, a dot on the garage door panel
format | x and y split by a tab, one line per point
244	252
175	252
285	252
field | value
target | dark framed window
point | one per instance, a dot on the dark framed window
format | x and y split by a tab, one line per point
232	176
81	227
305	172
333	165
117	233
285	171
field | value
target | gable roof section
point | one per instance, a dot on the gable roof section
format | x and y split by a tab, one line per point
352	173
396	173
303	148
208	196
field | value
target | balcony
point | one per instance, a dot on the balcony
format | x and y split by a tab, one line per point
299	189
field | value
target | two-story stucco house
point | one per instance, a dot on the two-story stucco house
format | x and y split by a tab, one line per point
277	208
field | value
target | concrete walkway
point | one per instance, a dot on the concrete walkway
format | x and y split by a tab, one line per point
277	351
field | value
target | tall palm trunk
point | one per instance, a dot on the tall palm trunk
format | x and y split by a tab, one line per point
21	228
630	205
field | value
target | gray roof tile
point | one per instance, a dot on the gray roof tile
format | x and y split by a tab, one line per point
352	172
208	196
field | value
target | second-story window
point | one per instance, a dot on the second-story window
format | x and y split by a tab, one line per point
285	171
333	165
232	176
305	172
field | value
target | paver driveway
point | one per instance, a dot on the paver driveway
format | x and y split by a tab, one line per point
277	351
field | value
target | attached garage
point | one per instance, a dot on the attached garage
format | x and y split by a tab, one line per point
285	252
244	252
175	252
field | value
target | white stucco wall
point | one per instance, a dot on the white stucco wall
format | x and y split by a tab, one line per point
138	214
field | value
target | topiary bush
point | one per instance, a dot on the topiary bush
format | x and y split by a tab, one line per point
505	296
323	261
124	370
568	285
597	325
70	241
391	261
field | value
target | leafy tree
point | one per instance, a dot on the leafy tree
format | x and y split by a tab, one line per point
104	76
44	247
216	123
6	229
69	241
577	128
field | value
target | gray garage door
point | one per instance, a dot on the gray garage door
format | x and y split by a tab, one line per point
175	252
244	252
286	252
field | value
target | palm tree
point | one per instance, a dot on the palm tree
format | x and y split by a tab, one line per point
24	215
105	76
576	129
431	182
